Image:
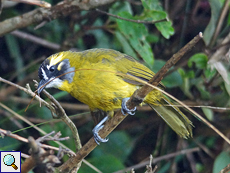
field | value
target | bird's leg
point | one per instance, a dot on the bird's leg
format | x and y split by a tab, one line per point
124	109
96	129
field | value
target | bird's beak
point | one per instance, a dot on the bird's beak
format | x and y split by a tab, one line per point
42	85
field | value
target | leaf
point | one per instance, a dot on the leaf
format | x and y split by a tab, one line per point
14	49
209	74
136	34
172	80
120	148
153	11
210	29
200	60
120	6
222	160
106	163
208	113
227	87
151	38
199	84
221	70
125	45
186	82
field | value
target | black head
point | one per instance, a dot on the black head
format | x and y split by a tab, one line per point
53	75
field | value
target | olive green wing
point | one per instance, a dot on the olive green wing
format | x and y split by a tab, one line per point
134	72
127	67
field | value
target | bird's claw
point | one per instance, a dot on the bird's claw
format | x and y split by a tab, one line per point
97	128
124	109
97	138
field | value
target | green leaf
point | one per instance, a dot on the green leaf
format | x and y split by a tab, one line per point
189	74
172	80
210	29
136	34
208	113
125	45
151	4
103	40
105	163
186	82
110	157
227	87
209	73
119	145
153	11
199	84
222	160
151	38
120	6
8	144
13	46
200	60
165	28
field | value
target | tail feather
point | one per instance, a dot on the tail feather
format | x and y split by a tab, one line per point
173	117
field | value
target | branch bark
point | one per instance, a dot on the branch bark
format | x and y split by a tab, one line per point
40	15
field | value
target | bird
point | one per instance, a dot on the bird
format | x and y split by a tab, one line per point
105	79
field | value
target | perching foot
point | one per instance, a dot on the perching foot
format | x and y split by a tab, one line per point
125	110
97	128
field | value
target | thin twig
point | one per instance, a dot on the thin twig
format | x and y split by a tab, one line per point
39	156
158	159
131	20
226	169
43	4
20	138
141	93
35	39
61	114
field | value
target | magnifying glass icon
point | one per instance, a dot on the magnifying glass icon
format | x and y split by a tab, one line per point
9	160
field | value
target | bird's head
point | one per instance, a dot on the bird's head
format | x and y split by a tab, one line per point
54	71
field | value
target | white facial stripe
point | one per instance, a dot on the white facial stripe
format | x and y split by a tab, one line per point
44	74
48	66
55	83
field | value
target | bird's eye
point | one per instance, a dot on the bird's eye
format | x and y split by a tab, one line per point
52	68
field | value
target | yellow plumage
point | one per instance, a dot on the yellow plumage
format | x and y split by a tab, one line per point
101	80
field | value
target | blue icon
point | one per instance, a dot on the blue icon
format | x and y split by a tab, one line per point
9	160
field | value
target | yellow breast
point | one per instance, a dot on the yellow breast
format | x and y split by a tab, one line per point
98	86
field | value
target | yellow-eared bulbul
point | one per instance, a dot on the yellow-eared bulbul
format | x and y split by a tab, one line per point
103	79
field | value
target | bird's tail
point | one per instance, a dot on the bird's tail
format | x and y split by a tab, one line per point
172	116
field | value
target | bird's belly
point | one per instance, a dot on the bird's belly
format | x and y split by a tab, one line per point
104	92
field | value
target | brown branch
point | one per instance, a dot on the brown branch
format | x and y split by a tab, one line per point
141	93
35	39
34	2
40	15
52	108
60	112
82	107
225	169
38	156
112	123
